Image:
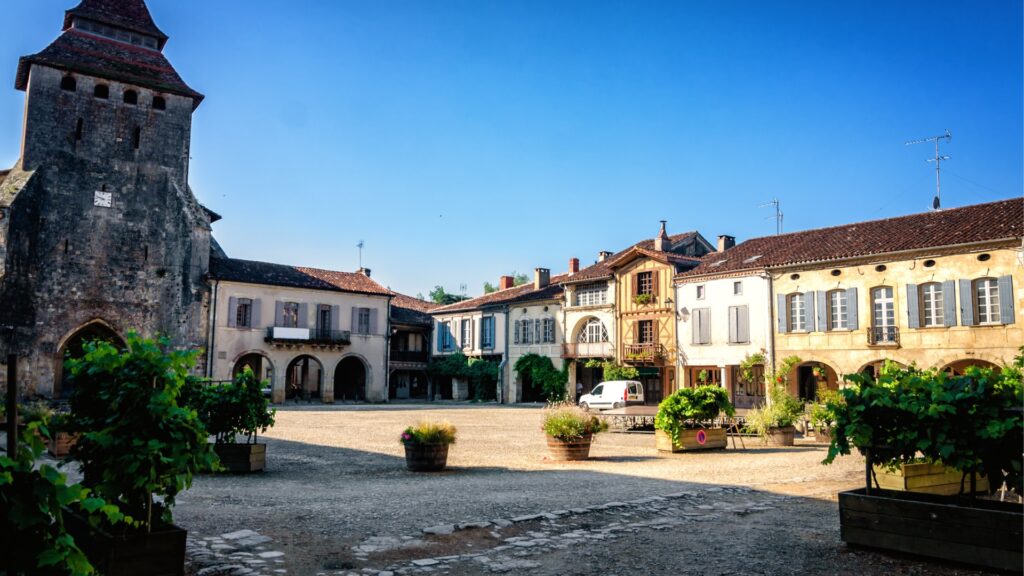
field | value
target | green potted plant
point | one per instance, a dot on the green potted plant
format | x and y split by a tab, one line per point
237	410
774	422
643	299
570	430
822	414
426	446
685	420
138	448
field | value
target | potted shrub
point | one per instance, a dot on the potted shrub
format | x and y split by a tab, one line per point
774	421
61	441
643	299
570	430
822	416
685	420
971	423
234	410
138	448
426	446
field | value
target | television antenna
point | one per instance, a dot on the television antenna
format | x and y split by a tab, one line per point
462	289
948	137
360	246
778	214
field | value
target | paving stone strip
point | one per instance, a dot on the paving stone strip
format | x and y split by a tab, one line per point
239	553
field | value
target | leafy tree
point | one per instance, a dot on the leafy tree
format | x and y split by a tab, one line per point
481	374
235	408
544	374
517	280
613	371
439	296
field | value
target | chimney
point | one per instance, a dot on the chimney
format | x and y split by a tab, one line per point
506	282
725	242
574	265
603	255
541	278
364	272
661	241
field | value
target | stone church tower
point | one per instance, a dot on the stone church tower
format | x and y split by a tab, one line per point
99	231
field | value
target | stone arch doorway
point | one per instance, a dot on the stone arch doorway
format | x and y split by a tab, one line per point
957	368
260	365
874	369
74	347
350	380
304	377
814	376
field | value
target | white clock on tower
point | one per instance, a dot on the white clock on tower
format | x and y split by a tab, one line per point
103	199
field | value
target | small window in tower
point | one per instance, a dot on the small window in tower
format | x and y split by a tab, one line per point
136	137
159	103
102	91
131	97
68	84
78	129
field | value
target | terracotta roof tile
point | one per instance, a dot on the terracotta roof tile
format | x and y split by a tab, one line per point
978	223
515	295
409	310
253	272
602	270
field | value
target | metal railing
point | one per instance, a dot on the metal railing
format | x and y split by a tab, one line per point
310	335
642	352
587	350
883	336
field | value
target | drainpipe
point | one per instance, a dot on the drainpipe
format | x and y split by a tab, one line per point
387	355
504	361
212	332
771	321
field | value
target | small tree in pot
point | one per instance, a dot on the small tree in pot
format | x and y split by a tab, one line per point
823	415
570	431
235	409
138	448
685	420
426	446
774	421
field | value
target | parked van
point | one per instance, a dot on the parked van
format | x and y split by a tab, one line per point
613	394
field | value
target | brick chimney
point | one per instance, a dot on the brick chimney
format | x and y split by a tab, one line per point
506	282
364	272
661	243
725	242
541	278
574	265
603	255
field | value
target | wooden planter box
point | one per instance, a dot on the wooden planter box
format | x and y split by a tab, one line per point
981	532
242	458
159	553
690	440
569	450
61	444
823	435
927	478
426	457
785	436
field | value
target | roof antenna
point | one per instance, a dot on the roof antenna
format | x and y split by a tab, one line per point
777	216
360	246
948	137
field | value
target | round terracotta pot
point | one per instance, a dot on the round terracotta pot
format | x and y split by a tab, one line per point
425	457
569	450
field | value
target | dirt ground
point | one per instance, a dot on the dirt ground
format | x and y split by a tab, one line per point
336	499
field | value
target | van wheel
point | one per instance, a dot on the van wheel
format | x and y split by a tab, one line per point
618	405
584	406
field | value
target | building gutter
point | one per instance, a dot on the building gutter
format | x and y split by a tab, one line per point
886	256
212	331
771	320
504	360
387	354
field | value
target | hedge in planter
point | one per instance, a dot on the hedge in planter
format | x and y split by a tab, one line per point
685	419
570	431
774	421
426	446
138	448
233	410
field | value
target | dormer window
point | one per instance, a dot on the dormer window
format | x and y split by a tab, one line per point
101	91
131	97
116	34
159	103
68	84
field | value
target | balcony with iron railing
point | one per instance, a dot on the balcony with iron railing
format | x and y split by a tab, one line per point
643	352
883	336
315	336
588	350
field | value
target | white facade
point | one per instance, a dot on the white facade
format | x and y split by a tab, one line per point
310	344
534	328
475	333
589	322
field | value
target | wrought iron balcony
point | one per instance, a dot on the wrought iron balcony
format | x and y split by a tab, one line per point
281	334
647	352
588	350
883	336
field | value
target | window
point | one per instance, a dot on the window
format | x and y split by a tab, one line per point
645	332
466	334
645	283
524	331
323	319
78	129
700	292
932	306
591	295
159	103
737	288
136	137
701	325
797	310
290	315
363	321
986	299
415	342
68	84
739	328
243	316
446	336
549	330
883	315
593	331
131	97
487	332
838	311
101	91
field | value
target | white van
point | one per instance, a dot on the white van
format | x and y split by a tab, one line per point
613	394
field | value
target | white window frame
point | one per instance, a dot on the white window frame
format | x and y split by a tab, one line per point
549	330
796	311
593	332
363	321
447	337
838	310
933	311
737	288
525	332
701	291
986	301
290	315
592	295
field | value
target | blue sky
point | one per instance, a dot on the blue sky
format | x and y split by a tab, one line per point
462	140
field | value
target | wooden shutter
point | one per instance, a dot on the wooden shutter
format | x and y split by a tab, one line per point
966	303
654	283
733	324
355	320
949	303
852	320
278	313
303	315
438	336
336	318
743	324
913	307
635	278
705	326
232	312
254	314
822	310
695	326
809	310
1006	314
373	321
782	315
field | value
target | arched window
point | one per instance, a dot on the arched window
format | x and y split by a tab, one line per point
932	305
68	84
159	103
101	91
796	307
986	300
131	97
592	332
838	316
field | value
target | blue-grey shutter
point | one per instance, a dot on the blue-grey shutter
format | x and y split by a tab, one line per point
232	312
949	303
355	320
335	318
809	310
373	321
822	311
438	336
254	315
278	313
913	307
479	333
538	334
966	303
852	318
1006	315
515	333
781	311
303	315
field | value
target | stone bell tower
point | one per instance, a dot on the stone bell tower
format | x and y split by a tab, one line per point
100	233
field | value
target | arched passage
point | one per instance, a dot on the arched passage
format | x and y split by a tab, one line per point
260	365
813	376
73	347
957	368
304	377
873	369
350	380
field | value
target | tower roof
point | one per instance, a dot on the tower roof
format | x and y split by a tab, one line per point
128	14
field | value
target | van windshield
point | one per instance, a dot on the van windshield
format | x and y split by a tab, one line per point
597	391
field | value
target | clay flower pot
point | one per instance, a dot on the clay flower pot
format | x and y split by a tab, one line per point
425	457
577	449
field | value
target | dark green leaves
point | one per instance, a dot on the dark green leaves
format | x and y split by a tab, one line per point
692	407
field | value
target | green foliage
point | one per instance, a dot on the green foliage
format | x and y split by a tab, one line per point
33	500
234	408
544	374
567	422
641	299
613	371
517	280
692	408
481	374
749	362
972	423
136	440
782	409
38	411
821	411
439	296
429	433
702	377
